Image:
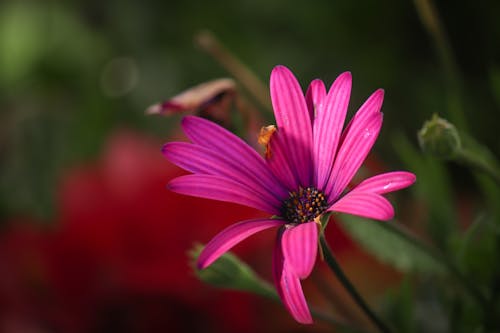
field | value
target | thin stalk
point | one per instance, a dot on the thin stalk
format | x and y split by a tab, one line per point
337	270
431	21
209	43
452	269
479	162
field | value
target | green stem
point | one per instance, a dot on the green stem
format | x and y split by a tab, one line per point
437	256
337	270
479	162
431	21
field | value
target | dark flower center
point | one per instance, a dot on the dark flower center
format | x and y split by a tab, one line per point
304	205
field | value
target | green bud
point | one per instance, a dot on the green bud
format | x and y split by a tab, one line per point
439	138
229	272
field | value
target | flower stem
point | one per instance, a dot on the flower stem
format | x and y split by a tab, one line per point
431	21
480	159
337	270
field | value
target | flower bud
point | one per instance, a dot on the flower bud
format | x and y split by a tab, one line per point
229	272
439	138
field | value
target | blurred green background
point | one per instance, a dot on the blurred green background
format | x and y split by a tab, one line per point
70	72
73	72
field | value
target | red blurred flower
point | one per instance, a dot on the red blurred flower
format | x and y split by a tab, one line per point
118	255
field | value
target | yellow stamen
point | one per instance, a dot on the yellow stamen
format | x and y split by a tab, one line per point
266	132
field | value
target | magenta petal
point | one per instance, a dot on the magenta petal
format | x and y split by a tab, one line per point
280	164
370	205
372	105
315	97
352	153
198	159
300	245
278	262
328	126
293	120
293	296
289	288
231	236
220	188
386	182
208	134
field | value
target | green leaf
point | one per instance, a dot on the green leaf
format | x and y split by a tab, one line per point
476	249
389	247
399	306
491	194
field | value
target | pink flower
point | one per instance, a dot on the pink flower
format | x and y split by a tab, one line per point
309	163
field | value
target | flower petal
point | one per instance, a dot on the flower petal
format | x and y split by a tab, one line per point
210	135
352	153
370	205
328	126
315	96
288	287
280	164
231	236
293	120
372	105
220	188
198	97
278	261
198	159
293	296
386	182
300	245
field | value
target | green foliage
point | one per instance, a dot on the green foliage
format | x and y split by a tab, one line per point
433	188
22	30
399	306
389	247
55	111
475	250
